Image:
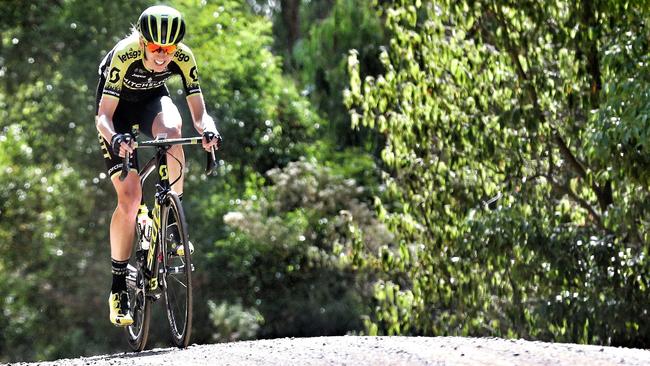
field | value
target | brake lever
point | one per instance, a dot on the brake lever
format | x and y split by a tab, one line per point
211	161
125	161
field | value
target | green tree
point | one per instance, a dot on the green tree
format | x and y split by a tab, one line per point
513	155
286	249
55	206
321	59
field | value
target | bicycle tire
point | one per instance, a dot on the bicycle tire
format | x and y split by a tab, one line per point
138	332
177	272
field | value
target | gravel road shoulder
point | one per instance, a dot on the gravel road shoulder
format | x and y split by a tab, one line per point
350	350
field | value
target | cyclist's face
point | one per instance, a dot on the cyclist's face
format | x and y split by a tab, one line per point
158	60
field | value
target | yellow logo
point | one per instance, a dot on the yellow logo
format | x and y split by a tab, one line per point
154	234
164	173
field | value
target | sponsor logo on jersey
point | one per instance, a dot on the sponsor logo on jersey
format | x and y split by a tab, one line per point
114	169
115	75
194	74
113	92
131	53
193	89
149	84
182	56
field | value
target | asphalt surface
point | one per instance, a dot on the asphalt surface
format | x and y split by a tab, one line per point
374	351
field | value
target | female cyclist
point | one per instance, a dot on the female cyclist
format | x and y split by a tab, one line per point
132	91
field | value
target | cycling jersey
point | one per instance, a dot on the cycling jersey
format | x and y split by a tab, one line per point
124	75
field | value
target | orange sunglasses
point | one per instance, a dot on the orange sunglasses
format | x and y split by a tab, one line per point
152	47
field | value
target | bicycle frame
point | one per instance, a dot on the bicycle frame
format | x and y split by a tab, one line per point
155	265
159	162
162	188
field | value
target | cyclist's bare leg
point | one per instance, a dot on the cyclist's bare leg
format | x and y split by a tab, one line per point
169	123
123	220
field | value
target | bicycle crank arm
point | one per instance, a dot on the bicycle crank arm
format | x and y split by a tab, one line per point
131	277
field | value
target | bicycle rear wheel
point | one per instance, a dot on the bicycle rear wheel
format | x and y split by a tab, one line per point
177	271
138	332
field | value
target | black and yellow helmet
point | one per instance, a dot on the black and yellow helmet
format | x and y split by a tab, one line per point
161	25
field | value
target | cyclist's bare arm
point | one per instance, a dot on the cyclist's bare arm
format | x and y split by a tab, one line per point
202	120
104	121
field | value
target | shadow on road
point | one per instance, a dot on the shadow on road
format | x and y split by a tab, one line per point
135	355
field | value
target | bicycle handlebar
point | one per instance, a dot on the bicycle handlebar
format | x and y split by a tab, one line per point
210	156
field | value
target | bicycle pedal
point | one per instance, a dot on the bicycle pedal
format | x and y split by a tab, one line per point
141	255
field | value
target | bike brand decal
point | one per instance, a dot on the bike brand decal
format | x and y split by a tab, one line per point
164	173
154	235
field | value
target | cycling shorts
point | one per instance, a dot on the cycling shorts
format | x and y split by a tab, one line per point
127	115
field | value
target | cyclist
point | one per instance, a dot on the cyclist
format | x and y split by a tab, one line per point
132	91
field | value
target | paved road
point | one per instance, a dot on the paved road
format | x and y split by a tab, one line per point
375	351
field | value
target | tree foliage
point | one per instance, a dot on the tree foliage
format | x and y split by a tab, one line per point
512	169
287	244
57	200
513	145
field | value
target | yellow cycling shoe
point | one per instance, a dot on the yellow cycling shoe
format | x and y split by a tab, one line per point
118	304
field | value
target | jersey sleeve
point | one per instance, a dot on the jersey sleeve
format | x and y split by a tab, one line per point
123	55
184	58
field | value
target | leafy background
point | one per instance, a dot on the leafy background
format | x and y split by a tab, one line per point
397	167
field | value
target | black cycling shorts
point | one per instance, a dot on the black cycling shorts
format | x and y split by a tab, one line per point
127	115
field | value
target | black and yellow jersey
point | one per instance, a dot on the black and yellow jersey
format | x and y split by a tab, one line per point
123	74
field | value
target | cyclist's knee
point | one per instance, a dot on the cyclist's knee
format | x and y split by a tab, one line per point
172	132
169	122
169	130
128	204
128	198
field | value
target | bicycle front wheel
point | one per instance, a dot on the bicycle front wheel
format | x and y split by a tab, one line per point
177	271
138	332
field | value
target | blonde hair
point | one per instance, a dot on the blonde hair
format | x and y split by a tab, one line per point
135	33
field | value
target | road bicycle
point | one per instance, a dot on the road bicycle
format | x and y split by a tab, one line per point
164	269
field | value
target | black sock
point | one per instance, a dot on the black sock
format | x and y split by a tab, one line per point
118	268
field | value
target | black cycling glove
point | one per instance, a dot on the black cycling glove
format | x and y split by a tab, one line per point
209	135
117	140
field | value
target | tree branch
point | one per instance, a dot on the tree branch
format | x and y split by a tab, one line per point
577	167
564	189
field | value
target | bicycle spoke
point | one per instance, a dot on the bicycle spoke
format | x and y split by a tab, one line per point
177	273
177	280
